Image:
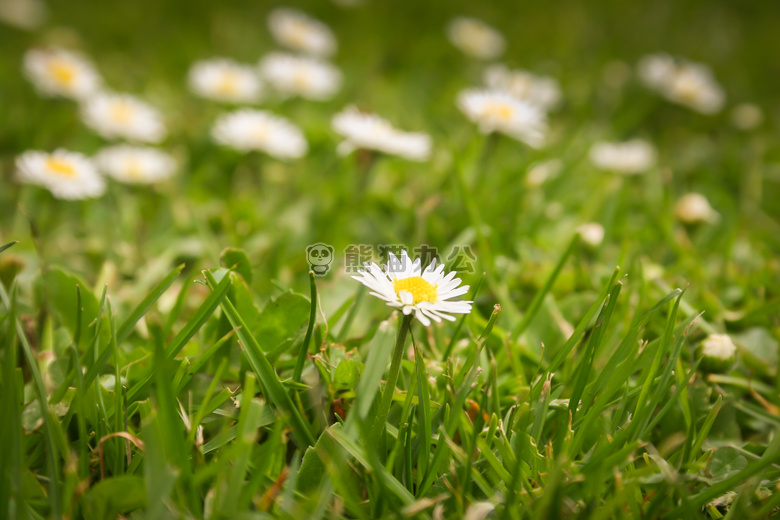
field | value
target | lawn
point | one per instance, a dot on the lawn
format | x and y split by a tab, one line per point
192	195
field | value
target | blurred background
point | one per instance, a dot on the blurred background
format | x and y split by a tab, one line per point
397	62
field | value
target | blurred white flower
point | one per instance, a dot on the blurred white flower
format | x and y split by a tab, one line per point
718	346
656	70
246	130
122	116
222	79
362	130
629	157
135	164
591	233
404	285
297	31
301	76
695	87
651	270
686	83
525	86
747	116
58	72
694	208
717	353
475	38
67	175
24	14
499	112
541	172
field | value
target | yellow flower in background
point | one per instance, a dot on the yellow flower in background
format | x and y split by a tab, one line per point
61	73
67	175
425	293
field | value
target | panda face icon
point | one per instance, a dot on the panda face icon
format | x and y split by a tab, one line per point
320	256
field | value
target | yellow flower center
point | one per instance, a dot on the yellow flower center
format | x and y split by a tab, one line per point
62	72
687	88
521	86
228	83
475	38
500	111
260	133
301	79
60	167
134	170
121	112
298	33
421	290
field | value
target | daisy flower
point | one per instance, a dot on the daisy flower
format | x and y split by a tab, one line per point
57	72
246	130
591	233
475	38
135	164
694	86
525	86
117	116
426	294
362	130
747	116
718	352
297	31
67	175
694	208
682	82
541	172
24	14
494	111
294	75
225	80
656	70
630	157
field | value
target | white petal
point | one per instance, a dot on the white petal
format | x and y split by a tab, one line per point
424	320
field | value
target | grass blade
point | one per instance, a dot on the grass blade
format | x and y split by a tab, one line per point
275	391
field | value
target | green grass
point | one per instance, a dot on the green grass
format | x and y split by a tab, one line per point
164	352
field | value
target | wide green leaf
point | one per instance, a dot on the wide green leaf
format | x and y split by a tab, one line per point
280	319
114	496
237	260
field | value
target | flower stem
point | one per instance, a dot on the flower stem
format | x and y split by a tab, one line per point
367	160
392	378
312	318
